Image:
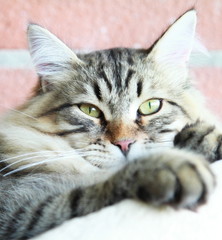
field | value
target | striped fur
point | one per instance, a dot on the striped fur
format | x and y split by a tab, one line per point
56	162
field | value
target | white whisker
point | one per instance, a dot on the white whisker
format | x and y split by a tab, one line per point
66	154
40	154
34	164
29	154
14	110
27	166
23	160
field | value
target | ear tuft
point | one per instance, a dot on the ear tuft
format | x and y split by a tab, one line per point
178	41
49	54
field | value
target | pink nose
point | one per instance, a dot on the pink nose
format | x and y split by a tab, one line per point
124	144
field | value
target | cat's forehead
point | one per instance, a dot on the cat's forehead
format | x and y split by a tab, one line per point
114	70
106	57
110	74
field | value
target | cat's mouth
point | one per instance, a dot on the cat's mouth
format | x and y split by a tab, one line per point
106	155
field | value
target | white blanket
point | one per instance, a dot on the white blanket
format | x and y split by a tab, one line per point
131	220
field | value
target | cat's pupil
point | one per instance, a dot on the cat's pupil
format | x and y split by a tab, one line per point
149	105
91	109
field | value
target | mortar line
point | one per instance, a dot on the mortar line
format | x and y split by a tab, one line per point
20	59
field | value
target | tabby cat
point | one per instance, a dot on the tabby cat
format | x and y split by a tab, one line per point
105	126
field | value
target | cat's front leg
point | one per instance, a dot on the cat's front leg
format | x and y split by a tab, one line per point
202	138
175	177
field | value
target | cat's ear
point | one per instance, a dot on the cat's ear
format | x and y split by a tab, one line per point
178	41
50	55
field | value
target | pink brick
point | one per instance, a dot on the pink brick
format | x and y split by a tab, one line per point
208	80
106	23
15	87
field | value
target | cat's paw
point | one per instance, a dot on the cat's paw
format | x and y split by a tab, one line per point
174	177
201	138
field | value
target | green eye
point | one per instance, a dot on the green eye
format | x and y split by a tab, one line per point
90	110
151	106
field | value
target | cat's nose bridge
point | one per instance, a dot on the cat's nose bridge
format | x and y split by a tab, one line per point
119	132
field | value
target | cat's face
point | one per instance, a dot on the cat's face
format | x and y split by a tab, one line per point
116	104
115	107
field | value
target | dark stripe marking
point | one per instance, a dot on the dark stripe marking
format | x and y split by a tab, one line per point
78	120
38	213
185	138
56	109
218	148
97	91
75	198
181	108
167	130
160	121
82	129
12	224
65	132
130	59
129	77
102	74
208	131
79	130
117	67
139	88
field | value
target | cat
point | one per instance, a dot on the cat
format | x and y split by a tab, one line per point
105	126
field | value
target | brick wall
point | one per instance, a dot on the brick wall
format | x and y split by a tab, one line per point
95	24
